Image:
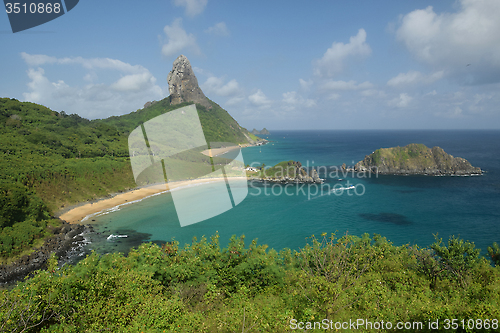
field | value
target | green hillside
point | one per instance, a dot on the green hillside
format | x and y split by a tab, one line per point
51	160
217	124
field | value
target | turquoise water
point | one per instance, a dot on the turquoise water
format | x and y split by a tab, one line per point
404	209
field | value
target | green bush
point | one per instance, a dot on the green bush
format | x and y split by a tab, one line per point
494	252
202	288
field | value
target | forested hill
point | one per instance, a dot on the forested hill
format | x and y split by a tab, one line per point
50	160
218	125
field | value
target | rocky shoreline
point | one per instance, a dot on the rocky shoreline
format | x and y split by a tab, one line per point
65	240
288	172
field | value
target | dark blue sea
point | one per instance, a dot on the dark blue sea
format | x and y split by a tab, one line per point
404	209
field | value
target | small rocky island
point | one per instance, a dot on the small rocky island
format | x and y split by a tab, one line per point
415	159
263	132
285	172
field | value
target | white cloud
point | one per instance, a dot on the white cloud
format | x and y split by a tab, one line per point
402	101
414	77
290	97
259	99
216	86
343	85
219	29
37	59
333	97
333	61
134	82
92	100
39	85
292	100
193	7
452	41
178	39
34	60
305	85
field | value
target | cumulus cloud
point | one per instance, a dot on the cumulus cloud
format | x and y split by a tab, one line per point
414	77
465	43
217	85
178	39
335	58
305	85
34	60
134	82
37	59
402	101
292	100
219	29
333	97
259	99
193	7
132	86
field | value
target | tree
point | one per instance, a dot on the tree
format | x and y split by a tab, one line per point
494	252
458	258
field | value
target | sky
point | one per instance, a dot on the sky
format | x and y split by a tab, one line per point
274	64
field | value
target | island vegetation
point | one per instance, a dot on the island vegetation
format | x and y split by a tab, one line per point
416	159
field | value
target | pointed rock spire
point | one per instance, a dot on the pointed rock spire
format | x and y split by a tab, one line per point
183	85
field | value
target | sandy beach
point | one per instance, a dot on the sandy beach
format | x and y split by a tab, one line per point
78	214
219	151
81	214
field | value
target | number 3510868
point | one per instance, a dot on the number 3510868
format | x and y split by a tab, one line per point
33	8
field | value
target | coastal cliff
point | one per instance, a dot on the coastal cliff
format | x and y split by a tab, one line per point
65	241
415	159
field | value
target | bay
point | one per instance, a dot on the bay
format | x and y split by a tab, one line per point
404	209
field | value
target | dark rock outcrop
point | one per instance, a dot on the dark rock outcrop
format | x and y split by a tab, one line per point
183	85
148	104
65	239
415	159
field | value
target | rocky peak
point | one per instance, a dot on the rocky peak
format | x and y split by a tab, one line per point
183	85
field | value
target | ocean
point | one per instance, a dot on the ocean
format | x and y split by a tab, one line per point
404	209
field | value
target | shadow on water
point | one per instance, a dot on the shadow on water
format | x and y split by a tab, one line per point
393	218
